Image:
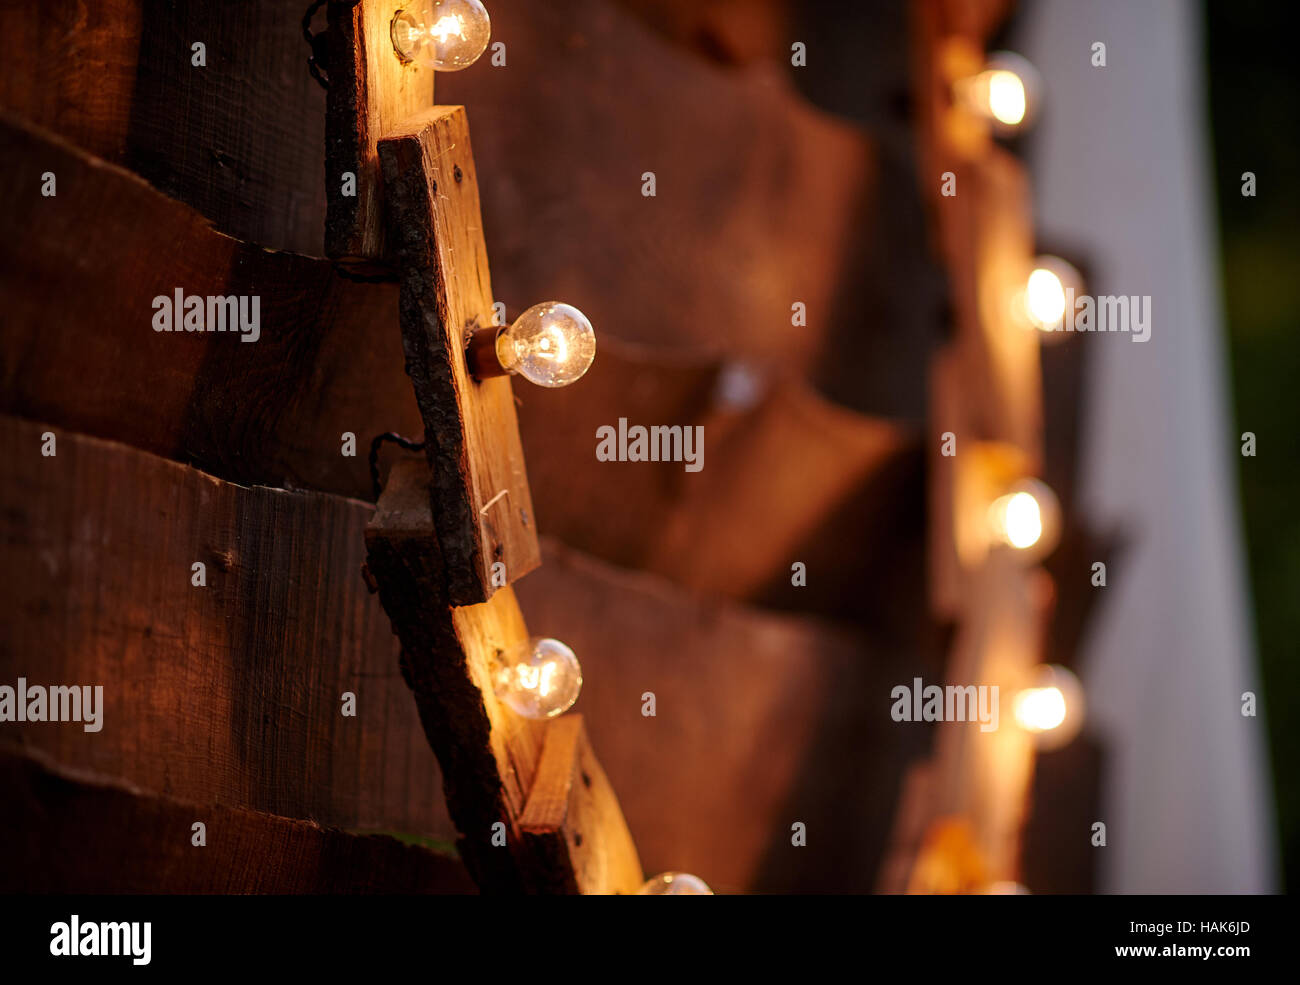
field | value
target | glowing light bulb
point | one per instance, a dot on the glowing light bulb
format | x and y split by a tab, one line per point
550	344
1045	302
1005	92
1026	518
1045	299
675	884
539	678
1038	709
444	35
1051	708
1007	101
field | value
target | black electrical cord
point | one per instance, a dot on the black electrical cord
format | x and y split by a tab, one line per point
317	44
377	443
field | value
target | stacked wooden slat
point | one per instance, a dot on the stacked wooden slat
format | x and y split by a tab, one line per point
762	721
962	819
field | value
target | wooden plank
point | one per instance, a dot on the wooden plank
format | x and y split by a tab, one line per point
67	831
237	139
271	412
813	476
571	798
371	93
489	755
482	507
231	693
981	776
488	759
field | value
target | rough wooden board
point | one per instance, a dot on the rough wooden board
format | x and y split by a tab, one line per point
229	693
239	140
570	800
487	759
371	92
489	755
74	832
787	464
78	275
482	507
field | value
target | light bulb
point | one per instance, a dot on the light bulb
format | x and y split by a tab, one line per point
551	344
539	678
1005	92
444	35
1051	708
1044	301
675	884
1039	709
1026	518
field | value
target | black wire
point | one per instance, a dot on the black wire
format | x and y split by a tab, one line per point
343	271
377	443
317	44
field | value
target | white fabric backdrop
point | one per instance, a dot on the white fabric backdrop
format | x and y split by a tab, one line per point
1122	170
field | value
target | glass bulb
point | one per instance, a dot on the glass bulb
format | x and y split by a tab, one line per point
1051	708
1026	518
1045	302
539	678
444	35
550	344
1006	97
1039	709
1005	92
1045	299
675	884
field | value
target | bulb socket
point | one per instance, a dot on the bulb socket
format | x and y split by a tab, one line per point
481	354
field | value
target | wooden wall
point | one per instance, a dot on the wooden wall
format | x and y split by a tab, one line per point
176	448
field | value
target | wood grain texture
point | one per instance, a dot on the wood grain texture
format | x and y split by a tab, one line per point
482	508
489	755
487	764
371	92
229	693
68	831
238	139
78	275
573	818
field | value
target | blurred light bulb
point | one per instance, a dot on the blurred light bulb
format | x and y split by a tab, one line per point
1026	517
1051	708
675	884
1045	301
1038	709
1004	92
1007	100
550	344
539	678
444	35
